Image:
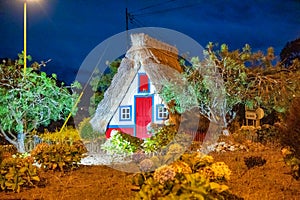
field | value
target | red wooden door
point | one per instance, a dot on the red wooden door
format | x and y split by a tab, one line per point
143	107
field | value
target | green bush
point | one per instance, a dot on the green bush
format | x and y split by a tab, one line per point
183	179
68	134
6	151
86	130
290	132
121	144
290	138
267	133
160	139
60	156
17	172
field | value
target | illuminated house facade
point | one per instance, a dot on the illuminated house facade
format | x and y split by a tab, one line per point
132	102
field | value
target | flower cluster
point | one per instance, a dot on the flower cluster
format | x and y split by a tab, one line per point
164	173
181	167
146	165
217	171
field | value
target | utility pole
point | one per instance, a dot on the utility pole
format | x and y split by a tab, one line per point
127	36
127	15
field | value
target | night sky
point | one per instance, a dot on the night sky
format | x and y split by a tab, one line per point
67	30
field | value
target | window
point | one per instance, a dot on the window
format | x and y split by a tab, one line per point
161	112
125	113
143	83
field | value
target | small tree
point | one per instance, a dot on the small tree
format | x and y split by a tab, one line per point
29	101
290	52
225	79
100	83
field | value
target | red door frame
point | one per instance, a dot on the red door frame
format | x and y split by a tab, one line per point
143	115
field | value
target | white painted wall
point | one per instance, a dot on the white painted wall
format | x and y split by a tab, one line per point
129	100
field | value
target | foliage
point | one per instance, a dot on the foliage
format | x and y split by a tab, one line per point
6	151
121	144
291	160
226	78
17	172
290	138
160	139
182	180
29	101
68	134
267	133
100	83
253	161
86	130
59	156
290	131
290	52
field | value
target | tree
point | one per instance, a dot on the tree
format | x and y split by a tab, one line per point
213	85
290	52
29	101
225	79
101	83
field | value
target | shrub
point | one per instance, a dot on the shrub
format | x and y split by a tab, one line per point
290	133
6	151
290	138
17	172
160	139
60	156
291	160
121	144
182	180
267	133
69	134
86	130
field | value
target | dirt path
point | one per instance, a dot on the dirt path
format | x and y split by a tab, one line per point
271	181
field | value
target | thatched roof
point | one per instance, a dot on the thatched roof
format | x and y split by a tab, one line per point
160	62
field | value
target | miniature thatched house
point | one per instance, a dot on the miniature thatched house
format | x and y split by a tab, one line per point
132	101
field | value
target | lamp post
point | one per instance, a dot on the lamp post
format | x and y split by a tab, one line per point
25	36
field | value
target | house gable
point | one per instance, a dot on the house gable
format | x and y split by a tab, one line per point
147	66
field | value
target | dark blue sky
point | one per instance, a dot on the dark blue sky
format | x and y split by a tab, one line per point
67	30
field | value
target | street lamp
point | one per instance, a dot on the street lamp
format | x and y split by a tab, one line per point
25	35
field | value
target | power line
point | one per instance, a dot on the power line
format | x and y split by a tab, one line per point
154	5
167	10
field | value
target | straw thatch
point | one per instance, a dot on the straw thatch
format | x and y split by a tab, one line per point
160	62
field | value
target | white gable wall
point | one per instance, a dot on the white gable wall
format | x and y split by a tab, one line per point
129	100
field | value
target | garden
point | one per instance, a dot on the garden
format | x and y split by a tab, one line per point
231	161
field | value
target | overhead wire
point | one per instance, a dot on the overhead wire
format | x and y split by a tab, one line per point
167	10
152	6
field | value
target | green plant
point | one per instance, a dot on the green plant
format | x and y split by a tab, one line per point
291	160
100	83
290	131
60	156
27	103
68	134
86	130
6	151
183	179
267	133
121	144
160	139
166	183
17	172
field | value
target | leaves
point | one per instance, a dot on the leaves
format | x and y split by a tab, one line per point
18	172
29	102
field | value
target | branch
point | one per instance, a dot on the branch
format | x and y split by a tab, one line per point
8	138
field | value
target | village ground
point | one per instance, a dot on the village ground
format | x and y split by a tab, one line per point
271	181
